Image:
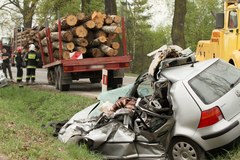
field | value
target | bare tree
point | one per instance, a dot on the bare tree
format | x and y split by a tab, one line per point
177	33
26	8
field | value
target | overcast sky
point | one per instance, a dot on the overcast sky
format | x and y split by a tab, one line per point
161	12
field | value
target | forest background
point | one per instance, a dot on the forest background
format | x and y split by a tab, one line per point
149	23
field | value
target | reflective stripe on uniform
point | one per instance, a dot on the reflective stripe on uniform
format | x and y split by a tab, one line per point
31	66
28	76
19	78
31	56
33	76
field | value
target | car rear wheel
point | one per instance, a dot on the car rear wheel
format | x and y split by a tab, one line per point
182	148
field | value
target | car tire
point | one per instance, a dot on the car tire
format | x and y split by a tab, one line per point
182	148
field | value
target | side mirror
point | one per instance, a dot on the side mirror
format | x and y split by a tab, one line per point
219	20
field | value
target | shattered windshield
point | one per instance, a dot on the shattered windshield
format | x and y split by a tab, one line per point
217	80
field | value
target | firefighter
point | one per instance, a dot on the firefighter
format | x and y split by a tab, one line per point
31	60
19	64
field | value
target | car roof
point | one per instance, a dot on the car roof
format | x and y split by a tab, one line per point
178	73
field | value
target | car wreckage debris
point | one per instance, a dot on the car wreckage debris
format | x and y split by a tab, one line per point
132	127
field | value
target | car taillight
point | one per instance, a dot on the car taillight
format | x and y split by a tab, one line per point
210	117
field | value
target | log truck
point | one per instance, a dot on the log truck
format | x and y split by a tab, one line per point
225	38
61	72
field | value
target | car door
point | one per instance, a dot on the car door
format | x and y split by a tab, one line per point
231	34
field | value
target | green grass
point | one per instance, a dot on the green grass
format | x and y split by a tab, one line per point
23	111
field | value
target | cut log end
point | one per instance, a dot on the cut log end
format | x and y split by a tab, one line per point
70	46
96	52
90	24
80	31
107	50
80	16
71	20
115	45
102	39
82	50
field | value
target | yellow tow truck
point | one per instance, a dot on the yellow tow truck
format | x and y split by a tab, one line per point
225	38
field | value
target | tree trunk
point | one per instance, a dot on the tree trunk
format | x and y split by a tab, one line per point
66	36
115	45
96	52
86	6
107	50
99	41
65	46
110	7
80	42
177	33
42	33
65	54
80	31
66	23
112	29
89	24
80	49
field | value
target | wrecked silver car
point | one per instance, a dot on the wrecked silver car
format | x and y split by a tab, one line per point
3	79
178	110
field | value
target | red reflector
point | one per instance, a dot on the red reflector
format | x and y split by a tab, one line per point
210	117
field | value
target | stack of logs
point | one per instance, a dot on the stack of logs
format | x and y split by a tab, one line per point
26	37
93	35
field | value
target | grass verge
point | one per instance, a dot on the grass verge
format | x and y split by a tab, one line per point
23	111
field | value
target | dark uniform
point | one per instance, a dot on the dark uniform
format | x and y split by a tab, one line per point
19	65
6	65
31	59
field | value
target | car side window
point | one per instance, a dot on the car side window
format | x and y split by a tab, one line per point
232	20
145	89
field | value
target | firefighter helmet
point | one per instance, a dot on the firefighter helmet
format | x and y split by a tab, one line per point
31	47
19	49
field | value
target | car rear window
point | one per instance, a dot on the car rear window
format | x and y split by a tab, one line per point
215	81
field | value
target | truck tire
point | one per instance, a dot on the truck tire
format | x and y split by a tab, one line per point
61	86
115	83
56	75
95	80
50	76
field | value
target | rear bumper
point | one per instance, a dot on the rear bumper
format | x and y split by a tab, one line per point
219	134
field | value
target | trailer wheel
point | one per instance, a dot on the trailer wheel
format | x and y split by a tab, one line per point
118	82
95	80
114	82
50	77
61	86
56	75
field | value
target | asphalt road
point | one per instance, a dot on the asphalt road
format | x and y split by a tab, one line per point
81	87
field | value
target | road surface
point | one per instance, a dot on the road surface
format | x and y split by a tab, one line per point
81	87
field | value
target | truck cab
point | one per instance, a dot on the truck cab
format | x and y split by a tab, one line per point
225	38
